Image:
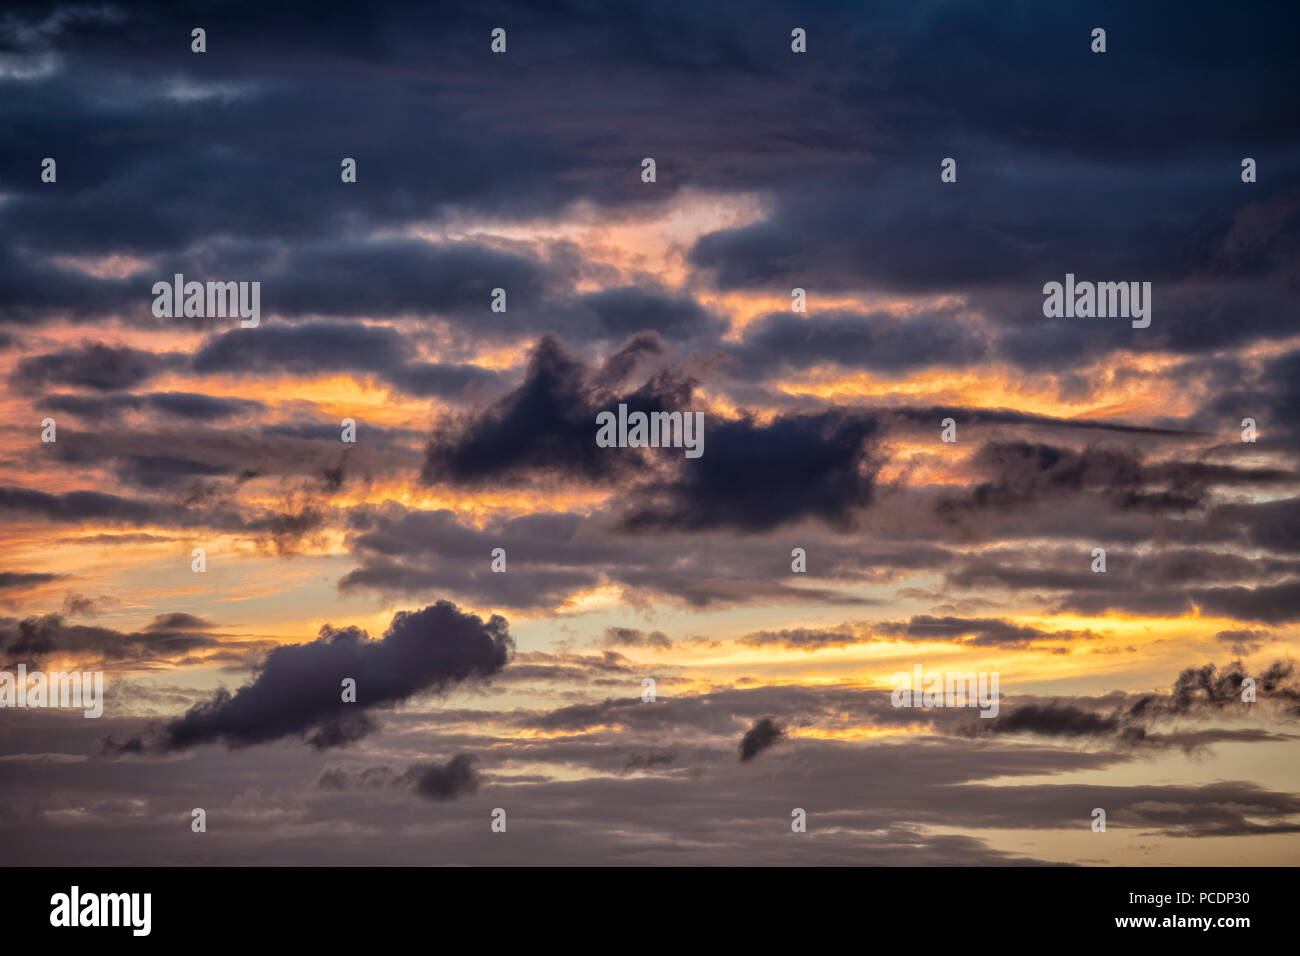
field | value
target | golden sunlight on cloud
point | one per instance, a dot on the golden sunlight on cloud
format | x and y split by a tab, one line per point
849	733
653	241
995	387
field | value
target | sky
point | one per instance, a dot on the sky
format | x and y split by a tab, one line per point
908	463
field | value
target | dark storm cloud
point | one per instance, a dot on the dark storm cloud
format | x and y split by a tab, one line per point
894	223
445	781
853	175
758	738
756	476
290	73
1054	720
547	426
752	476
94	365
298	688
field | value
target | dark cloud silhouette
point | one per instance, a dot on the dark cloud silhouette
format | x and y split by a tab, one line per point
201	407
626	310
340	731
1198	692
758	738
751	476
179	620
299	686
547	426
878	341
1054	720
94	365
1244	641
1207	688
755	476
635	637
168	638
445	781
25	579
978	632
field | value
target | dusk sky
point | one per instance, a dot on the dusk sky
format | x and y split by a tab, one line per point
907	464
